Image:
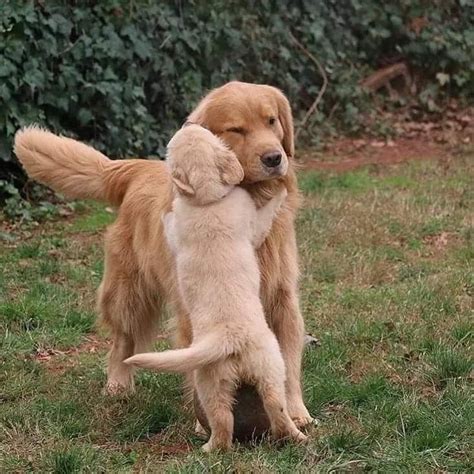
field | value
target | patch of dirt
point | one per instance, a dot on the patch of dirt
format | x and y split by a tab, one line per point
15	233
439	242
85	240
347	154
417	140
58	362
164	449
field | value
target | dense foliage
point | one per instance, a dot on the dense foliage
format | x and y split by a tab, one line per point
123	74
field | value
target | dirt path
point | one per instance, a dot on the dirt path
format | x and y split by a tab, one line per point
347	154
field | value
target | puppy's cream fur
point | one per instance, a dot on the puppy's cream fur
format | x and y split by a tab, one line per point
213	231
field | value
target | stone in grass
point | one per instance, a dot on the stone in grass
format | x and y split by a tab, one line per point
250	420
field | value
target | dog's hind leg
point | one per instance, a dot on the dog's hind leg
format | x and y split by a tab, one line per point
137	337
130	311
287	323
216	397
119	377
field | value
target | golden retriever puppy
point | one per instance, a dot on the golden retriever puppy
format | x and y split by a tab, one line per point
213	230
140	277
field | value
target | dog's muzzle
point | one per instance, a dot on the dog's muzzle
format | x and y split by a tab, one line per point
271	159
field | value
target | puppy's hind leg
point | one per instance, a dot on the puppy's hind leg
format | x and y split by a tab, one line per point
216	397
271	389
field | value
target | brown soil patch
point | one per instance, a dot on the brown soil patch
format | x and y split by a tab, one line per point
21	232
159	445
347	154
440	242
58	361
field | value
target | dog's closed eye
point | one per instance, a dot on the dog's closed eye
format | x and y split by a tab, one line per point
239	130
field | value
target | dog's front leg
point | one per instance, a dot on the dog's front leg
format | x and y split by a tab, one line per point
287	323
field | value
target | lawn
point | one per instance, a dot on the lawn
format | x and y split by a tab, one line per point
387	285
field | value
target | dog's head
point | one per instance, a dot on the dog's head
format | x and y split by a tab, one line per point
256	122
202	166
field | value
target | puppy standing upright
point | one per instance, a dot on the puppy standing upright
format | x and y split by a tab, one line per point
213	230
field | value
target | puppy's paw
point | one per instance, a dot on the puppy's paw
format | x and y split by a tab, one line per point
165	218
299	437
212	446
299	414
283	193
281	196
279	199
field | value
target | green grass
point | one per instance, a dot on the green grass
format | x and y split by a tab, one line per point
387	286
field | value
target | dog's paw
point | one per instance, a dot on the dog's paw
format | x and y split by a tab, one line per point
113	389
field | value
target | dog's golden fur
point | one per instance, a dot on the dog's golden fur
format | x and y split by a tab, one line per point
139	272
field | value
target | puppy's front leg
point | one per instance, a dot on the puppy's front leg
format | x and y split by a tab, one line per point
265	217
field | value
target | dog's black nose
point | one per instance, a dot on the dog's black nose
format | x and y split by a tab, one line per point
271	159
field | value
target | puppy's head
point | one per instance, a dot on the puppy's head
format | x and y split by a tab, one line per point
256	122
203	167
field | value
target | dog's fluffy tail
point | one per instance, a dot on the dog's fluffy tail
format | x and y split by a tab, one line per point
72	168
204	352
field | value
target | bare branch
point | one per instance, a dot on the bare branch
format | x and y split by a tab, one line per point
321	91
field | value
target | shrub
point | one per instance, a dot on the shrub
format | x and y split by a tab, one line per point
122	75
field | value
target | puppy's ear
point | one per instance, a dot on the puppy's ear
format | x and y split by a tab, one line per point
181	181
230	169
286	119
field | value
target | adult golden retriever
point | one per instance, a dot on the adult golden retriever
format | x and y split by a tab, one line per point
140	277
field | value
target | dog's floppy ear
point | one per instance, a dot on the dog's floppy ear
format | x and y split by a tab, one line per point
181	181
286	119
230	169
199	116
